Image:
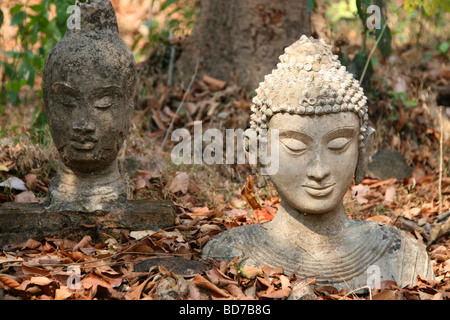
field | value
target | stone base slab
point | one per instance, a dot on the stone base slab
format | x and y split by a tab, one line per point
21	221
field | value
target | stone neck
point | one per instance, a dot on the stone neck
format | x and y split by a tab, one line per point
289	221
73	190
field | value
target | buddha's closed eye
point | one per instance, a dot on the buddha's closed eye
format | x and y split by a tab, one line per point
294	145
339	144
68	101
103	102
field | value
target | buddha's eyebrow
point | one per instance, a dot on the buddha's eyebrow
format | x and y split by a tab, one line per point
295	135
347	131
112	89
62	86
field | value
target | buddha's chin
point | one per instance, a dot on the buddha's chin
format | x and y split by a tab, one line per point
317	205
87	162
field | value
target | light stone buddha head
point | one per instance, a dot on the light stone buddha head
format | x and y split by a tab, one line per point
321	113
88	83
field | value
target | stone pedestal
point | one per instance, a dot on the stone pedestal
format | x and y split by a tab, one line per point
21	221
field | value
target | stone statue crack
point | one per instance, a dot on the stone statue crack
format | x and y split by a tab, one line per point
321	114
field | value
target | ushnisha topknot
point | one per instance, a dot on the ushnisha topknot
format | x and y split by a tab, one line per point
308	80
97	16
96	42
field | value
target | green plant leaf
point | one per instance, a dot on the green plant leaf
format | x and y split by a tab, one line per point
38	8
18	18
431	6
361	6
443	47
167	3
410	5
16	9
384	45
311	5
445	4
410	103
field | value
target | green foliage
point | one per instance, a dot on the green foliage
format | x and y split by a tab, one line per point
311	5
402	97
443	48
37	34
384	45
341	10
180	16
356	66
431	7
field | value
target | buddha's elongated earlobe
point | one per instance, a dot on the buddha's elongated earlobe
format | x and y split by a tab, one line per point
364	155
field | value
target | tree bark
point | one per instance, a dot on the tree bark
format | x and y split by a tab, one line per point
240	40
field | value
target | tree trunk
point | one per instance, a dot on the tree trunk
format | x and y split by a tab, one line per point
319	24
240	40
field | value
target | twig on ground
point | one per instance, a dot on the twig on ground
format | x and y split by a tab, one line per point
181	103
172	58
372	51
354	291
441	154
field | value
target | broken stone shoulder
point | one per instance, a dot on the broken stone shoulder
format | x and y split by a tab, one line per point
88	83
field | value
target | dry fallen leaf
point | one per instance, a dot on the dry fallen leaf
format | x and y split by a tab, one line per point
31	181
138	235
385	294
214	84
40	281
380	218
201	282
411	213
82	243
199	212
248	195
359	192
180	183
285	283
8	283
14	183
262	215
251	272
26	196
278	294
389	195
63	293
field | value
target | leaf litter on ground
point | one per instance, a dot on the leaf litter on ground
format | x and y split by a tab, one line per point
41	268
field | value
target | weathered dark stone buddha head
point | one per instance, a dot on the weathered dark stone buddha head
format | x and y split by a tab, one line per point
88	83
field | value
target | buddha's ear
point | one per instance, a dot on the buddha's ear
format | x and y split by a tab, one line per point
251	151
364	155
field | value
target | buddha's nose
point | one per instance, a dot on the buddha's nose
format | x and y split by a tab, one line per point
83	126
317	169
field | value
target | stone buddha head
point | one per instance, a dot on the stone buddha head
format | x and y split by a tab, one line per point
320	112
88	83
317	113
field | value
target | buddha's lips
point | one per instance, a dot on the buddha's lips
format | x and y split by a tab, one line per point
83	143
319	191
